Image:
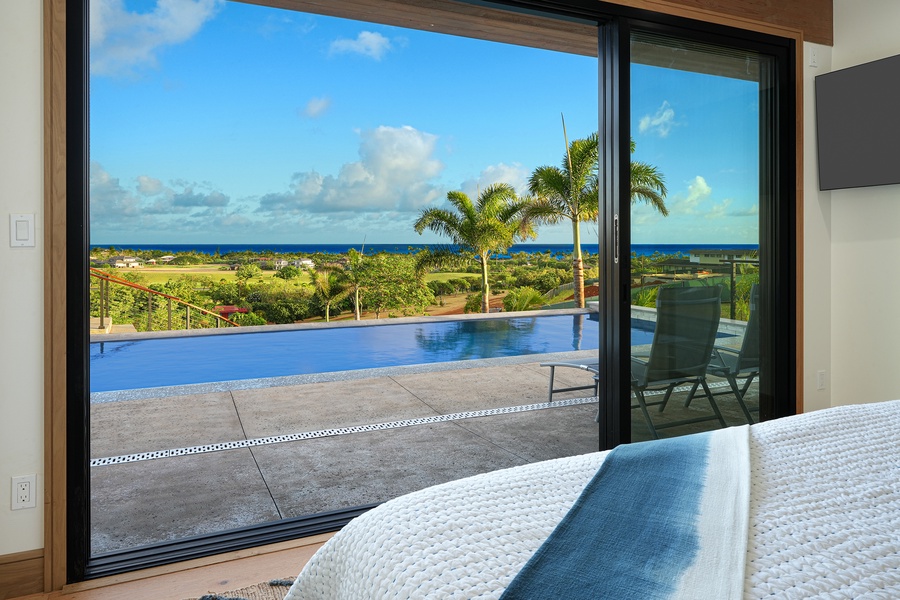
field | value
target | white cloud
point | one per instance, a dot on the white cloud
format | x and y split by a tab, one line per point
698	192
190	199
515	175
698	201
149	186
122	41
368	43
109	200
661	123
153	207
396	171
316	107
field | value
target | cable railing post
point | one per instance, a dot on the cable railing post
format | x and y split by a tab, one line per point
101	304
187	318
732	290
149	311
170	314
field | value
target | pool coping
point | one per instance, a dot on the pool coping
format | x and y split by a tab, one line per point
146	335
331	376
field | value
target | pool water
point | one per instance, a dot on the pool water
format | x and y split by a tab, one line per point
213	358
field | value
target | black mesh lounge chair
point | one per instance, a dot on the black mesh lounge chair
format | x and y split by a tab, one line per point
735	364
687	320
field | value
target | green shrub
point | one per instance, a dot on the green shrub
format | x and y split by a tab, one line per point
248	319
473	303
523	298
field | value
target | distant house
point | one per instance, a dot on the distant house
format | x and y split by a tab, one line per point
125	262
280	264
303	263
167	258
707	256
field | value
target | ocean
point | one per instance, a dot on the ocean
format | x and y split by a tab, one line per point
553	249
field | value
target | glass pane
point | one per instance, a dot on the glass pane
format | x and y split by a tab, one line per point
697	114
264	347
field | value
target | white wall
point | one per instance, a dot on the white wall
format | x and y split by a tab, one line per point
865	228
817	277
21	294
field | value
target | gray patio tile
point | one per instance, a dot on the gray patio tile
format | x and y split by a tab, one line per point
481	388
134	504
352	470
134	426
315	406
541	434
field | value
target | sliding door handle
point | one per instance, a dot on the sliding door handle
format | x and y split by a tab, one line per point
616	239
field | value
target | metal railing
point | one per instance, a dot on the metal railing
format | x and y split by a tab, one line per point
106	278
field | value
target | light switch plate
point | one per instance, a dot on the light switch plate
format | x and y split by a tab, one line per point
21	230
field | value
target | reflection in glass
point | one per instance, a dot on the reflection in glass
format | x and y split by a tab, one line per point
697	115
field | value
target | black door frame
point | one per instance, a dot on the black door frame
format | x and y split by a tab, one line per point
778	213
778	339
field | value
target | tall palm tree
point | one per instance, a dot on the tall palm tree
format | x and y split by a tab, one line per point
478	229
572	193
330	288
354	276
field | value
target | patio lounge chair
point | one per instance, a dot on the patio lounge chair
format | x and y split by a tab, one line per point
592	367
737	364
687	320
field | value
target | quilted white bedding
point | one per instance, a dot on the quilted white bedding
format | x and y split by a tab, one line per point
824	520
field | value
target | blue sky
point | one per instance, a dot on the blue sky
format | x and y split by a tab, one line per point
220	122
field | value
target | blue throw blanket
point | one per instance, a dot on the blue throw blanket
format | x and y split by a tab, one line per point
665	519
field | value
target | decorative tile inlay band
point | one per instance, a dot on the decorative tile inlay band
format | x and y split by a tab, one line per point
323	433
309	435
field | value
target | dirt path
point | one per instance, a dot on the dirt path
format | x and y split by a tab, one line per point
454	305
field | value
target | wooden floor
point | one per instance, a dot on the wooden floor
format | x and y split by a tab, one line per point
195	578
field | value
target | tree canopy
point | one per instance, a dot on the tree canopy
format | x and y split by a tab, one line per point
490	225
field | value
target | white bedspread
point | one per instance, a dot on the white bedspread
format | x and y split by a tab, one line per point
824	520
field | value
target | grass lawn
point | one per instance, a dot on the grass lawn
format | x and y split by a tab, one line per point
162	274
449	276
213	271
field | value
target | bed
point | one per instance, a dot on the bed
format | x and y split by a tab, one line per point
808	507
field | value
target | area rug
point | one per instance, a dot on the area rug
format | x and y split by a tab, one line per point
275	589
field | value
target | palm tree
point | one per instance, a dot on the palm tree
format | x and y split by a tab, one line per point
354	275
330	288
648	185
489	226
572	193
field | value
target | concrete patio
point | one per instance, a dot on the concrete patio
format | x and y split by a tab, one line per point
176	466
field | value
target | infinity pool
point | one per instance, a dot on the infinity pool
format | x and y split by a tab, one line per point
187	360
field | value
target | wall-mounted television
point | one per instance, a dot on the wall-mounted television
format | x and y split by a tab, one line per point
858	125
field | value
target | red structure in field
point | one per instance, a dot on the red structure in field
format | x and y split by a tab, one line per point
229	309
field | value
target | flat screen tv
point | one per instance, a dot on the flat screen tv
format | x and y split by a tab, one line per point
858	125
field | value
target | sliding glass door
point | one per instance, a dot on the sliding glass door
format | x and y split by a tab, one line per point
688	283
698	206
696	115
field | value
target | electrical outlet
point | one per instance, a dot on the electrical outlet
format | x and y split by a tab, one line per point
24	489
820	380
